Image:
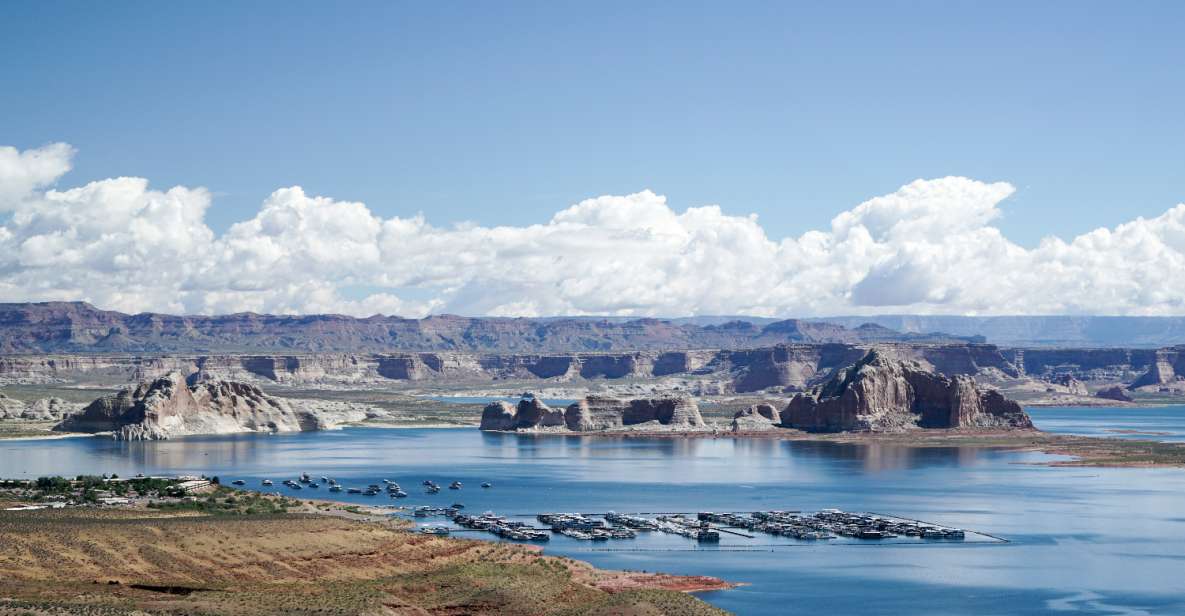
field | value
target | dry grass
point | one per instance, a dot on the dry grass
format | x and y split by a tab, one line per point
121	561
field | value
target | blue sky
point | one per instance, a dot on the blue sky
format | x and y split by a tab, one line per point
1040	134
504	113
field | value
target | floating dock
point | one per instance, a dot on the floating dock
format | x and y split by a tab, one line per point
708	526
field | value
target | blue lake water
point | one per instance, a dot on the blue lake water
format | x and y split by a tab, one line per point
1161	423
1082	540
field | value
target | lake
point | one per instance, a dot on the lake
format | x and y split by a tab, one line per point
1081	540
1159	423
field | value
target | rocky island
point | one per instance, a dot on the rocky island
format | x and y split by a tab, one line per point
595	414
882	393
878	393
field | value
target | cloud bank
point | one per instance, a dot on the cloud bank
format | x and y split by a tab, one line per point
929	247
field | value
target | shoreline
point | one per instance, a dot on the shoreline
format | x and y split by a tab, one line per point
400	426
1086	450
47	437
51	436
611	580
374	565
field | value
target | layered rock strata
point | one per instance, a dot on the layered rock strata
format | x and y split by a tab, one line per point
1166	367
529	413
168	407
44	409
594	414
759	417
883	393
1073	386
778	369
1115	393
80	327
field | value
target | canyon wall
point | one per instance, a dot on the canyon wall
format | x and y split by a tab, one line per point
1167	366
78	327
788	367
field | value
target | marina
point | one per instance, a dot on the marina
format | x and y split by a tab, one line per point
392	488
702	526
707	527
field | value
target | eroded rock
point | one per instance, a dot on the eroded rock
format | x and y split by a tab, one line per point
594	413
1114	393
884	393
1073	386
44	409
168	407
763	416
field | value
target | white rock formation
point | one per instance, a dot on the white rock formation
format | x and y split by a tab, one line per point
168	407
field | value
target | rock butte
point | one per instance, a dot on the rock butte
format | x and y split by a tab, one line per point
882	393
45	409
168	407
1072	385
594	414
763	416
1114	393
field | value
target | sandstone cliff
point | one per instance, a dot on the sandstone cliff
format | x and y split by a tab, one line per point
10	408
167	407
1167	366
530	412
783	367
80	327
882	392
1073	386
796	367
1115	393
44	409
594	413
762	416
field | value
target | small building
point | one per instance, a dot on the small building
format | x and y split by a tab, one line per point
193	485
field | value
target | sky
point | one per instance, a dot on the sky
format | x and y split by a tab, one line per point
774	159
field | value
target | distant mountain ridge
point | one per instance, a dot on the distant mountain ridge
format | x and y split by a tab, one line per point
1037	331
78	327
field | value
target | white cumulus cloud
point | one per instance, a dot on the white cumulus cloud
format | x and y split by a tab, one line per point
929	247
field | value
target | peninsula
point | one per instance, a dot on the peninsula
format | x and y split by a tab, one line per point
229	552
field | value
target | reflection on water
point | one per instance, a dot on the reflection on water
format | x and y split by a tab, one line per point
1112	533
879	457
